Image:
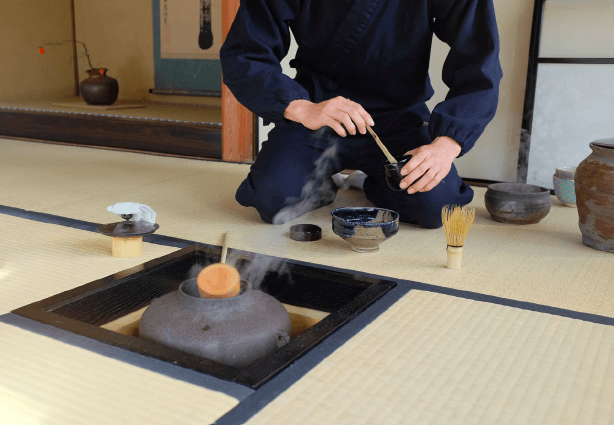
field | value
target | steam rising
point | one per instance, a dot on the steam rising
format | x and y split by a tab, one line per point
318	190
523	155
256	270
253	271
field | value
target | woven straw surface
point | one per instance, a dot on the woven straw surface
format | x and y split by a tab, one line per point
160	111
44	381
83	105
544	263
437	359
38	260
432	358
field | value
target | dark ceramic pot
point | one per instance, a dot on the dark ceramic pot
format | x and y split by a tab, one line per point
237	331
392	171
365	228
99	88
517	203
595	196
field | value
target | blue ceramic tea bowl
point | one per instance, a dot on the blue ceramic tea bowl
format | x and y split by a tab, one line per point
364	228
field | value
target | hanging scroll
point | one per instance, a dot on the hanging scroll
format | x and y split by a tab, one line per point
190	29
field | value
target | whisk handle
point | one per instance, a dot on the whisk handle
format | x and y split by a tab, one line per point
455	257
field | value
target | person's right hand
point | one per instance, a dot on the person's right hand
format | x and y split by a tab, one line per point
332	113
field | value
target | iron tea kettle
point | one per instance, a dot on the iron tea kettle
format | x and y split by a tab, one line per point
237	331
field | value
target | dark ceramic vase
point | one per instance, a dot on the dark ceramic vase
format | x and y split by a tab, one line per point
595	196
99	88
237	331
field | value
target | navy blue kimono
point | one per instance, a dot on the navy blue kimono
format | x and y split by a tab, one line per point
376	53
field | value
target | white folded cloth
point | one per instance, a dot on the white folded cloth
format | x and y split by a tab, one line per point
140	212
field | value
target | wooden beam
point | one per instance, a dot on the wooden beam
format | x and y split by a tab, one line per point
185	139
237	121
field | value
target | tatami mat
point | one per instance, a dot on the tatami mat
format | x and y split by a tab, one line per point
429	359
544	263
44	381
143	110
437	359
38	260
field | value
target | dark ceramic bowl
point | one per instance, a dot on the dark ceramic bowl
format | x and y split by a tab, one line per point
365	228
517	203
393	172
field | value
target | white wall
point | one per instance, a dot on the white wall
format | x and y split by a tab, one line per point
119	36
578	28
495	155
24	73
574	103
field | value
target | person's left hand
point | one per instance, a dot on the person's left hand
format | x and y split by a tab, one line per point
434	161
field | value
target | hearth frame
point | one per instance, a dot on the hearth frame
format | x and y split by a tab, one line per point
83	310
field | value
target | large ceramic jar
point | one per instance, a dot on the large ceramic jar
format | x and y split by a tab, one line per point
99	88
595	196
237	331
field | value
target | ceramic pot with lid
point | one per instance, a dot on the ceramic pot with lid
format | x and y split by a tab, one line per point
594	181
237	331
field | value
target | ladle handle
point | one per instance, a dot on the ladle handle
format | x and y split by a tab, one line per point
225	246
391	158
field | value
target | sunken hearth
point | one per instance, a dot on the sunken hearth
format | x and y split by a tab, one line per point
318	300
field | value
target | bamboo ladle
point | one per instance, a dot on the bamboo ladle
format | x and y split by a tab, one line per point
219	280
382	147
225	247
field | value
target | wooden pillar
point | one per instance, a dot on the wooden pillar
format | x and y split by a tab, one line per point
74	47
237	121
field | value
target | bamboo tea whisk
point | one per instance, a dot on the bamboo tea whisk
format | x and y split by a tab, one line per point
456	223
